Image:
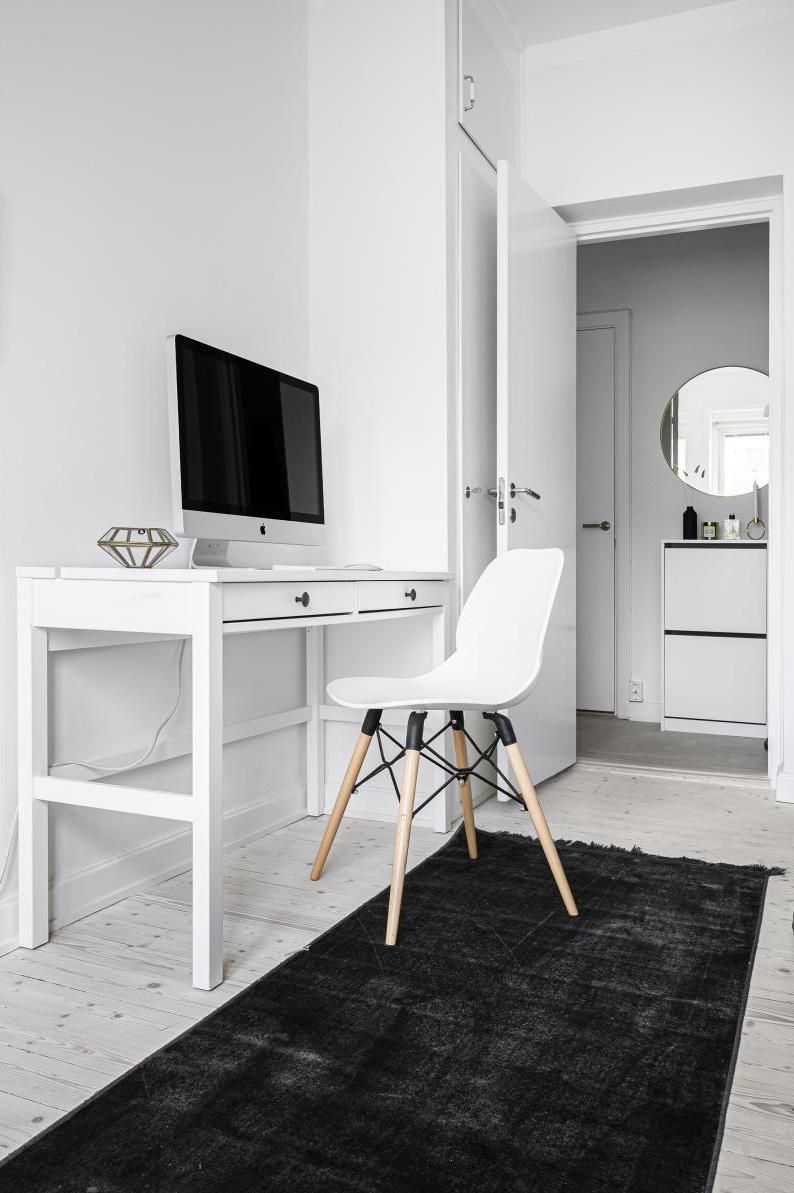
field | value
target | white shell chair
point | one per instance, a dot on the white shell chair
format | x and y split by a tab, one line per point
495	665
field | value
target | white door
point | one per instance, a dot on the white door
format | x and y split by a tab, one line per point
477	319
595	519
536	441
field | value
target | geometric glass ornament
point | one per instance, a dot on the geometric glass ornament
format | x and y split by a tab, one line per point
137	548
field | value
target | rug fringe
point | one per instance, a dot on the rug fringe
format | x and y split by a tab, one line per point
568	843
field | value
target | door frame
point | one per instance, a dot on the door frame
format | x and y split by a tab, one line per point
619	322
666	220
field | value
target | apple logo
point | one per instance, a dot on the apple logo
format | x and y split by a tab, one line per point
262	529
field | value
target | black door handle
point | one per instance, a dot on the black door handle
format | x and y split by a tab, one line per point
303	599
411	596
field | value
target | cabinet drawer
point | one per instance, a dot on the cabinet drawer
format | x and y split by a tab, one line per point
722	589
399	594
715	679
255	602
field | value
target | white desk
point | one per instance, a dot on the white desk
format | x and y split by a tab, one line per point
201	605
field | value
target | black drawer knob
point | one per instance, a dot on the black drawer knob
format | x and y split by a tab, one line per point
303	599
411	596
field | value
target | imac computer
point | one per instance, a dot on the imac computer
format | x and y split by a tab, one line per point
246	461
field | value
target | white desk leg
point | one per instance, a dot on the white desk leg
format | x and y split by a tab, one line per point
34	907
207	786
315	727
442	805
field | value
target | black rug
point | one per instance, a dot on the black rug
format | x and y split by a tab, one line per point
501	1046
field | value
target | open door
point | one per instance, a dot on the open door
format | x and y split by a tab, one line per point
536	441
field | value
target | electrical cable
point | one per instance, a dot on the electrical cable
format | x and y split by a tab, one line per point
12	836
120	770
109	770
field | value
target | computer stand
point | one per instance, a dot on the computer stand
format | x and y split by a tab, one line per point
210	553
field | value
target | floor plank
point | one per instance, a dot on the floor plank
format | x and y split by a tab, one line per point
113	988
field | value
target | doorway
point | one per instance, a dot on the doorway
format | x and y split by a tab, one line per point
634	693
655	311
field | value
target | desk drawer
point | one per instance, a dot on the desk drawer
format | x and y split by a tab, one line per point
255	602
399	594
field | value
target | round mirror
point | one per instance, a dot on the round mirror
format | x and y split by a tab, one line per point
715	431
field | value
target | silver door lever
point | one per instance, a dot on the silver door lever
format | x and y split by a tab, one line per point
529	492
597	525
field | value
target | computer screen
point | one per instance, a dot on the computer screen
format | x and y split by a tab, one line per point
249	440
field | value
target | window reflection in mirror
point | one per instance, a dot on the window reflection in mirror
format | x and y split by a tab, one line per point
715	431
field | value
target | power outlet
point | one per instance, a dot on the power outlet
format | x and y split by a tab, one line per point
636	691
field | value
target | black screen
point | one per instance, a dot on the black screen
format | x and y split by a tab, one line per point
249	437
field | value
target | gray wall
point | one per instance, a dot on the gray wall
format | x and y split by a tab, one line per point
698	300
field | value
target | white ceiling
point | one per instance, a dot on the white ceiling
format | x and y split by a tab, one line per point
547	20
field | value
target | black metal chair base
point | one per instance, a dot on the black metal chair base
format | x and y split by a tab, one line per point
415	740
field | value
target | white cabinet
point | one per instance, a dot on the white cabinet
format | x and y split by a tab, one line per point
714	637
488	89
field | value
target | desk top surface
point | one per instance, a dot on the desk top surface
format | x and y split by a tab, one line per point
222	575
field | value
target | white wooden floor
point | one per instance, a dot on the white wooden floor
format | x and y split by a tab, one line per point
115	987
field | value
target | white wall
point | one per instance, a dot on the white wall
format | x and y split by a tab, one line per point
378	311
698	300
154	179
700	99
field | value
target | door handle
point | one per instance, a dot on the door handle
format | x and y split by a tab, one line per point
597	525
529	492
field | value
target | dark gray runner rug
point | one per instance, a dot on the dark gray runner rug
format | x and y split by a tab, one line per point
501	1046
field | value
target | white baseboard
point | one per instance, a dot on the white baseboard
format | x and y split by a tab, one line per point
784	788
376	803
648	710
73	896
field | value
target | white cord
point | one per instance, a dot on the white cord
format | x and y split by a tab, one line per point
12	836
119	770
110	770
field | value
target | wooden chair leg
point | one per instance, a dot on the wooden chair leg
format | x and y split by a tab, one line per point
462	760
405	816
541	827
371	722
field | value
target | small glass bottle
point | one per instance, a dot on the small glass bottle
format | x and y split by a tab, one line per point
732	527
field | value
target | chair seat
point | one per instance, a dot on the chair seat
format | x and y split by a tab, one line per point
455	684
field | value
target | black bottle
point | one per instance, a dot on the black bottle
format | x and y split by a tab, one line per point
690	523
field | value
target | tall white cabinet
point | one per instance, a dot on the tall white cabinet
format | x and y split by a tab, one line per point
714	654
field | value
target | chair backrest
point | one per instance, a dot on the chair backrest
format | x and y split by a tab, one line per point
504	621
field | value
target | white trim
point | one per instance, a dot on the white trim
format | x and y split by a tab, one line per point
745	782
706	22
648	711
672	220
784	791
619	321
769	210
178	747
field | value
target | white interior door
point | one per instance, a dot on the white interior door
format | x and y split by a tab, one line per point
536	441
595	519
477	318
